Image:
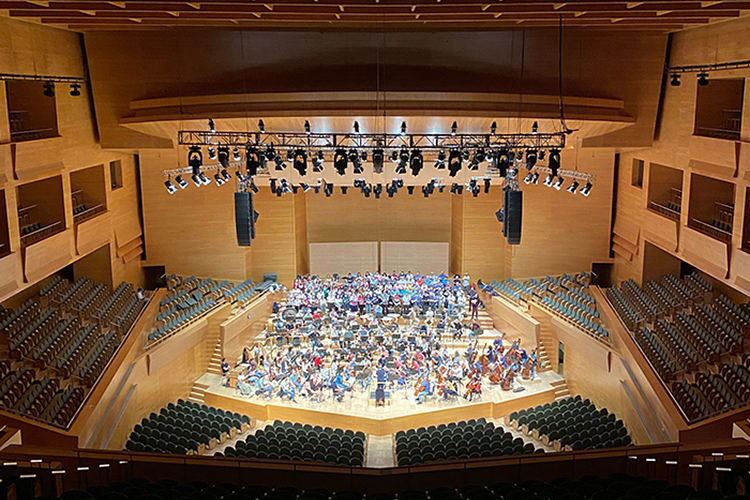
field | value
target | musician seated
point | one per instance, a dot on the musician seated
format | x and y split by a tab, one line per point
450	390
287	389
424	390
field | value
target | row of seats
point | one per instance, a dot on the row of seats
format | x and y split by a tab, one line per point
616	486
182	319
457	441
295	441
186	427
572	423
658	356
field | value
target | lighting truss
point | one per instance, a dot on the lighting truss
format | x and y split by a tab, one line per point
699	68
42	78
372	141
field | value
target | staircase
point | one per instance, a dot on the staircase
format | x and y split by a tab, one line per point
197	393
561	389
484	320
546	340
214	365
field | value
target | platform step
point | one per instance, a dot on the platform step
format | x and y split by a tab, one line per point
197	395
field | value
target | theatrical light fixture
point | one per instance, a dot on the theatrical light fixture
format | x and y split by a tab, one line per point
261	127
240	176
493	128
307	127
356	162
252	161
535	178
542	155
204	179
211	153
317	161
236	154
558	183
378	157
195	158
253	187
356	127
528	178
487	184
403	128
305	187
585	190
300	161
549	180
49	89
223	156
675	82
534	128
410	189
181	182
344	189
280	165
531	158
454	128
702	78
219	179
270	153
416	162
171	188
211	126
75	89
403	160
454	162
378	190
573	186
554	161
478	158
339	161
225	175
503	161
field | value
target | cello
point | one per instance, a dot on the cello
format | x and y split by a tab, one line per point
526	372
507	382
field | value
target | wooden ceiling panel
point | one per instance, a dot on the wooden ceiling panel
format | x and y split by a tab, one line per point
667	15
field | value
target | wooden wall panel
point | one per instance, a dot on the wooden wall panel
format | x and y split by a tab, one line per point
457	234
242	329
47	256
421	257
300	235
564	232
274	249
343	258
93	233
483	243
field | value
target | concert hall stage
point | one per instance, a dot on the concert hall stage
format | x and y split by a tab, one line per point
356	412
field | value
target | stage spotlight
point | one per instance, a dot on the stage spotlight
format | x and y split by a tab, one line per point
270	153
204	179
317	161
236	154
454	162
261	127
475	191
240	176
300	161
196	178
294	189
440	160
500	214
534	128
393	156
528	178
328	189
702	78
356	127
459	189
478	158
585	190
531	158
535	178
290	154
487	184
252	160
454	128
390	191
554	161
558	183
171	188
403	128
344	189
355	161
307	127
305	187
493	128
181	182
253	187
378	190
219	179
211	153
195	158
75	89
542	154
49	89
503	162
410	189
378	156
211	126
403	160
573	187
549	180
225	175
339	161
675	82
224	156
416	162
280	165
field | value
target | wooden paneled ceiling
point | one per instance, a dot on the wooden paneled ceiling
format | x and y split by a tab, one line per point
661	15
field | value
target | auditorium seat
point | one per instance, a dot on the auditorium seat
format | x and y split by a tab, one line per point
457	441
571	423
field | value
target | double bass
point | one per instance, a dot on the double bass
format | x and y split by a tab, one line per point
497	375
507	382
526	372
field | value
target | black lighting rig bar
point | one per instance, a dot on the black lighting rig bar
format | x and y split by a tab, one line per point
372	141
41	78
703	68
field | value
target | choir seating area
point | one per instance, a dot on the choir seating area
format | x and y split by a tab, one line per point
191	298
56	345
693	338
566	296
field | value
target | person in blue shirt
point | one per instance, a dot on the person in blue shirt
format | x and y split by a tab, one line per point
424	390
